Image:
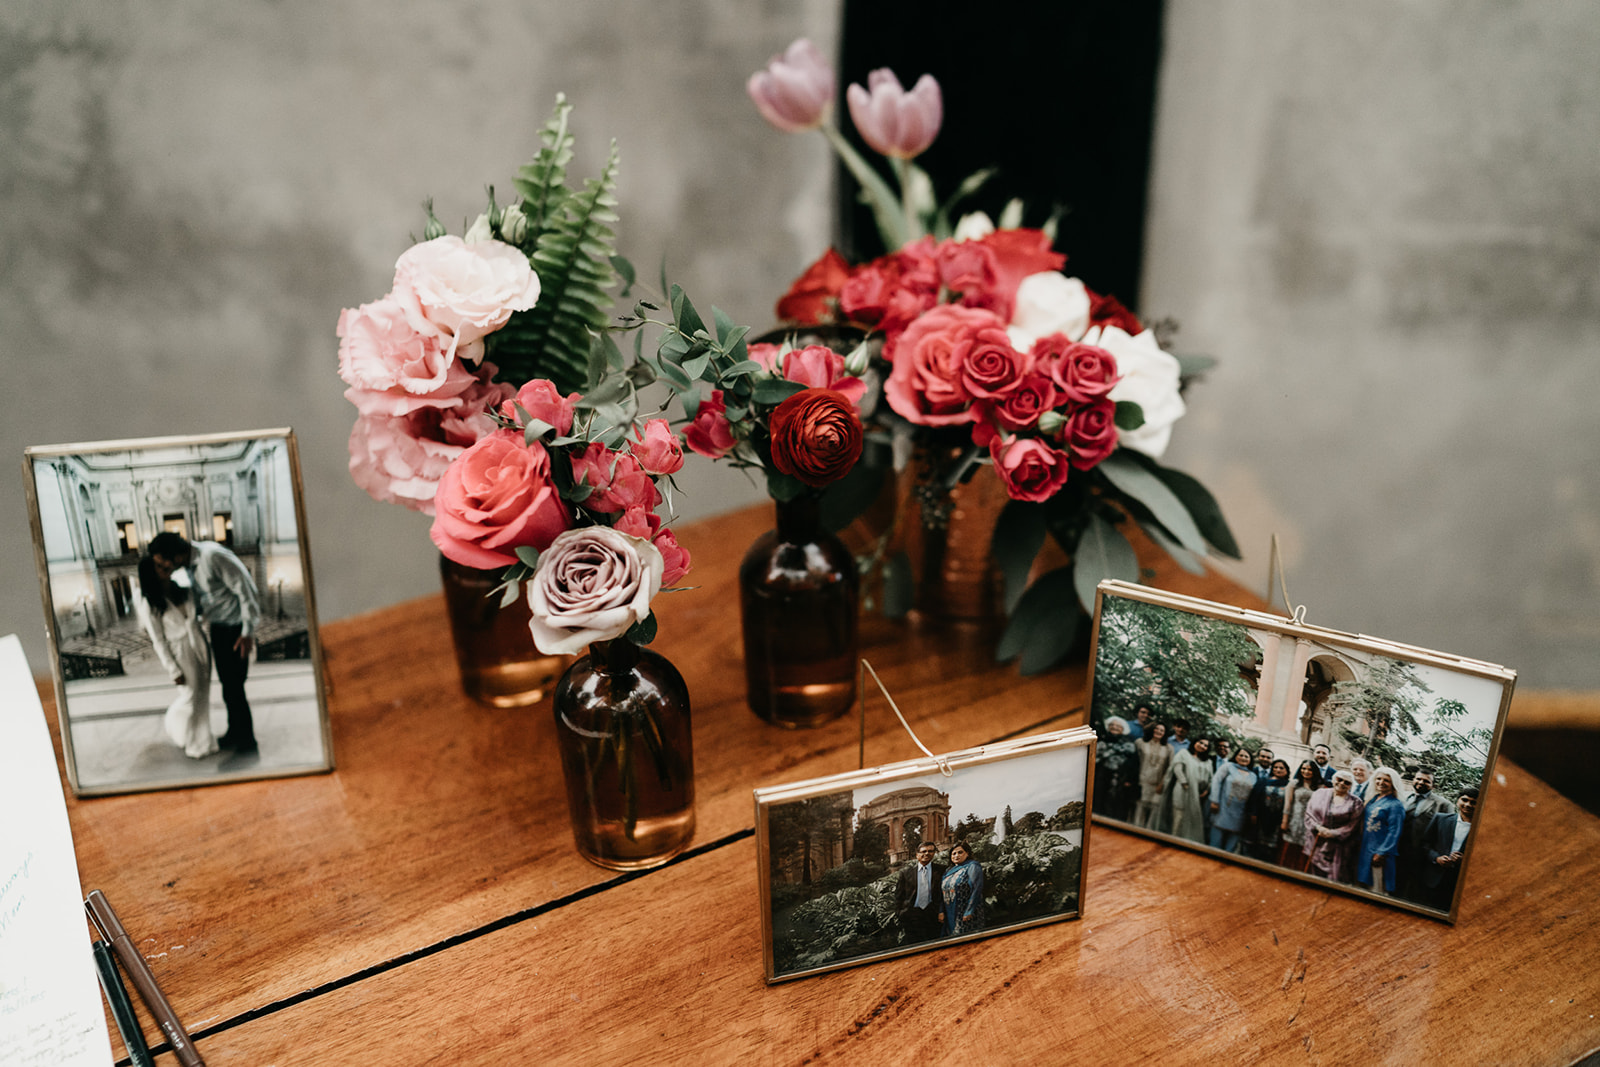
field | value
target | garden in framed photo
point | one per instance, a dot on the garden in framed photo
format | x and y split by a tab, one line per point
178	597
1343	760
915	855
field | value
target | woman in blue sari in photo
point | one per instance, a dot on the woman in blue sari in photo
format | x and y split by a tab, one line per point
963	893
1231	788
1382	820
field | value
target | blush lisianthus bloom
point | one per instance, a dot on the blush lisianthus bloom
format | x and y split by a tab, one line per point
461	291
592	584
795	90
495	497
1150	378
816	436
898	123
380	352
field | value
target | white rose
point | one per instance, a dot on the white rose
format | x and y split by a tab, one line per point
1048	302
463	292
1149	379
592	584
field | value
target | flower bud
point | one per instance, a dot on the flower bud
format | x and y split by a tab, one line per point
794	92
1051	421
856	362
513	225
434	227
479	231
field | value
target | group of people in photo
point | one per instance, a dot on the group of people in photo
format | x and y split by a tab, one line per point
933	899
207	621
1372	826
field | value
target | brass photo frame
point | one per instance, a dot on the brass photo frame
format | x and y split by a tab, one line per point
837	856
134	709
1389	748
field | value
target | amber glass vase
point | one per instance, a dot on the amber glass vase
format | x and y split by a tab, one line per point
798	594
499	664
622	715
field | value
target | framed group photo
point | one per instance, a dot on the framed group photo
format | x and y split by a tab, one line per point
922	854
181	619
1350	762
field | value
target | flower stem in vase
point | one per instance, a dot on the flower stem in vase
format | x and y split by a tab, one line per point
798	592
498	663
622	714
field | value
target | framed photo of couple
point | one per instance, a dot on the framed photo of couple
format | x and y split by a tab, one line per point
179	608
922	854
1348	762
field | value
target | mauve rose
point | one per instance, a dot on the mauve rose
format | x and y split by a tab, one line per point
925	385
543	401
992	368
1047	303
463	292
794	92
710	433
820	367
893	121
816	436
496	497
1085	373
1091	433
1030	469
1150	378
638	522
618	480
656	447
592	584
814	295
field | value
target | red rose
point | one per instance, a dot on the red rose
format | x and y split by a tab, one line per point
968	268
992	368
496	496
816	436
812	298
865	295
710	434
1091	433
1017	254
1108	311
925	385
1030	469
1020	408
1085	373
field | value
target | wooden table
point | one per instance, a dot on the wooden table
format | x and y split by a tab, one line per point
424	904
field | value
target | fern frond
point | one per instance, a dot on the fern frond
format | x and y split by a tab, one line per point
542	182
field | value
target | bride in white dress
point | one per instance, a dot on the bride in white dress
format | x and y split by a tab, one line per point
168	613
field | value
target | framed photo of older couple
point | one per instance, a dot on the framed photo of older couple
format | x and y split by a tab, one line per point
179	609
1340	760
922	854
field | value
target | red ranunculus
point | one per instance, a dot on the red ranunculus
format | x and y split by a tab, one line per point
1091	433
710	434
1030	469
1108	311
1084	373
495	497
814	296
816	436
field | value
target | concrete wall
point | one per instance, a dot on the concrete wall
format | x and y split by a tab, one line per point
1384	219
1380	216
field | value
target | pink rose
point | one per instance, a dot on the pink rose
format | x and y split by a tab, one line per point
1020	409
592	584
795	90
1091	433
992	368
656	447
968	268
495	497
925	385
895	122
1030	469
674	557
462	292
543	401
618	480
710	433
1085	373
768	355
819	367
812	297
865	295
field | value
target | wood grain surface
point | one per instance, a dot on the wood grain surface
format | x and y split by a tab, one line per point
424	903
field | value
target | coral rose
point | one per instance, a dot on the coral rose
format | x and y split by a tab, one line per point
496	497
1030	469
816	436
592	584
925	385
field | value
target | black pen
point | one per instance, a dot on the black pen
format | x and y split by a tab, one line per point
121	1007
139	973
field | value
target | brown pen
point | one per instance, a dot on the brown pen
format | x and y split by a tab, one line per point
145	982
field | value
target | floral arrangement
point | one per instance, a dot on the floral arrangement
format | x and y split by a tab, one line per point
992	356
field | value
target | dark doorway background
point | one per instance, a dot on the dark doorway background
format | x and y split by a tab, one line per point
1059	96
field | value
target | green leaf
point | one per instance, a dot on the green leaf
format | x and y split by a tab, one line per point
1018	535
578	493
742	369
1132	478
695	366
898	586
535	429
775	390
725	325
1202	506
1129	416
625	271
643	631
782	487
1102	553
1044	625
528	555
683	312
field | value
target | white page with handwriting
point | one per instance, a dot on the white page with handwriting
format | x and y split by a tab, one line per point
50	1009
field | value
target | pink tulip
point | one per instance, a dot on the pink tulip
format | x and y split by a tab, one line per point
794	92
893	121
